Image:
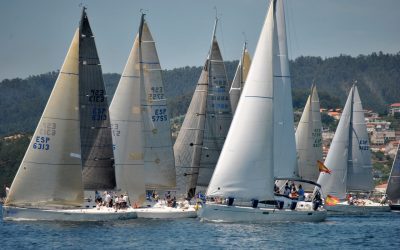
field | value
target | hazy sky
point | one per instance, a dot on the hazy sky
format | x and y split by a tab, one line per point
35	35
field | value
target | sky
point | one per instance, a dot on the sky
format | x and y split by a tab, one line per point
35	35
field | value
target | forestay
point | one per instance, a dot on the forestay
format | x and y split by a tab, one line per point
50	173
96	142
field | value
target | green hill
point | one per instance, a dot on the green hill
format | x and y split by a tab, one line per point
378	76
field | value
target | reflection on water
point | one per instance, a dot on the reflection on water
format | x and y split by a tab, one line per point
375	231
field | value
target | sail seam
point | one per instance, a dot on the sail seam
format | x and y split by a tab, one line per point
66	164
149	62
256	96
282	76
132	76
69	73
62	119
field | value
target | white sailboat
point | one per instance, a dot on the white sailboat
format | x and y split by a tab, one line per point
205	127
71	149
309	140
393	186
250	159
240	78
144	157
349	159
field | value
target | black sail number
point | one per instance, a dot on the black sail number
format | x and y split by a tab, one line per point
96	95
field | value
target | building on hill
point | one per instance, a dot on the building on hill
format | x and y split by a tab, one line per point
370	114
335	113
377	124
391	149
382	137
394	108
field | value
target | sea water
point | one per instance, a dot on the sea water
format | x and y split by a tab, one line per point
378	231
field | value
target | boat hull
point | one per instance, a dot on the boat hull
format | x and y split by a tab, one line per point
224	213
78	215
395	207
346	209
165	213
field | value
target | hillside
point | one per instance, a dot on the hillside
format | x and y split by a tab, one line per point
378	76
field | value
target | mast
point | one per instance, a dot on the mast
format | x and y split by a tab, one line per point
308	139
359	170
241	65
285	160
239	79
245	168
350	146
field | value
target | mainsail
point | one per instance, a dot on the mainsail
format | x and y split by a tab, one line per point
309	139
240	78
206	124
285	161
349	157
95	130
50	173
245	169
159	160
393	186
127	126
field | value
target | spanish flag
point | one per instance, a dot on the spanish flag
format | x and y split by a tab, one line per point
331	200
322	167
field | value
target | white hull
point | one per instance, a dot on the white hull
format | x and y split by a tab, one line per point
344	208
166	213
91	214
224	213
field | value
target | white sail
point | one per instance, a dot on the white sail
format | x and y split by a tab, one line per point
159	160
206	124
50	173
309	139
245	167
359	170
240	78
349	158
127	129
285	160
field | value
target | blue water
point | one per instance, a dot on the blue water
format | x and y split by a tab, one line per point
381	231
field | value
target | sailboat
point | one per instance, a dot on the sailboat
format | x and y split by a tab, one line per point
242	186
309	140
393	186
205	126
349	159
240	78
71	149
144	158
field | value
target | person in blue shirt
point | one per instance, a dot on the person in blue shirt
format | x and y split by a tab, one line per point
301	193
